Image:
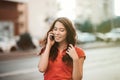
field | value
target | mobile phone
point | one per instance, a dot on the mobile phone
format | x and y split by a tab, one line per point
51	37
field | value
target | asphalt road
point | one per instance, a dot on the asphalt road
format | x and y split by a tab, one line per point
100	64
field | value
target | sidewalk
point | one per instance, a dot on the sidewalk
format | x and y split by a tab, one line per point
33	53
99	45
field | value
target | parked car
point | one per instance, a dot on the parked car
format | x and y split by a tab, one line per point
113	35
7	45
100	36
26	41
85	37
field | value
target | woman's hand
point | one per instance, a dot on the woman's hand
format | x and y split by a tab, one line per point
72	52
50	41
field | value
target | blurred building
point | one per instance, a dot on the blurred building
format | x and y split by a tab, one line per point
34	16
13	18
39	14
94	10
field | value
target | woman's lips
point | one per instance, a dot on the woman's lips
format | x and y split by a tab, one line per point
57	37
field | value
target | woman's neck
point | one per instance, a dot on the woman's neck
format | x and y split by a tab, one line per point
62	46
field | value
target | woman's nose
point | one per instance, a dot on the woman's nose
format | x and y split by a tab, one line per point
57	32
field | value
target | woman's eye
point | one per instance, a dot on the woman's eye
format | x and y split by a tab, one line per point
62	30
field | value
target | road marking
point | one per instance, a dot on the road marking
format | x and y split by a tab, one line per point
25	71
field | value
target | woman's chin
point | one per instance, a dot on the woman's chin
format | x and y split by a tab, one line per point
58	40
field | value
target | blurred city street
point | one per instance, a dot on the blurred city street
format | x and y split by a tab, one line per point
24	25
102	63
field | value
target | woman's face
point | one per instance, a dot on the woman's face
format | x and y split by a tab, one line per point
59	32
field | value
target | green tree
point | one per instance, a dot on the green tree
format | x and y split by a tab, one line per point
87	26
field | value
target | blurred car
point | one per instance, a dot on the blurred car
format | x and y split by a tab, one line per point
113	35
100	36
85	37
26	41
7	45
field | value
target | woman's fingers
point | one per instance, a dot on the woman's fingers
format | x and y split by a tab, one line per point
70	45
69	48
50	33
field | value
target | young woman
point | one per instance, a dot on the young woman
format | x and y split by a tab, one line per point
60	59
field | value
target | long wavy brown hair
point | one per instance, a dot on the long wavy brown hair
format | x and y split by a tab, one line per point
71	39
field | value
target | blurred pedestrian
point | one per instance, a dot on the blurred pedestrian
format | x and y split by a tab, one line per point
60	58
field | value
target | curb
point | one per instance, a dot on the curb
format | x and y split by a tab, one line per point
17	55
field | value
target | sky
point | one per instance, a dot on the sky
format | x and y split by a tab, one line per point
117	7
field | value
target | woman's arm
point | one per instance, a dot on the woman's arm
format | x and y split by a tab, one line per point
77	69
44	57
43	62
77	63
